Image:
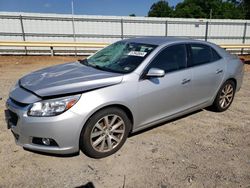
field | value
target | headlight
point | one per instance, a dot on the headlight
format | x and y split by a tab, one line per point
53	107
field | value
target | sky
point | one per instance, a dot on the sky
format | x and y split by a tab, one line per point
83	7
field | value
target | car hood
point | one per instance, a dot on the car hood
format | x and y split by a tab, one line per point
67	78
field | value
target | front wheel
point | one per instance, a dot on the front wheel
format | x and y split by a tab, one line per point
224	96
105	133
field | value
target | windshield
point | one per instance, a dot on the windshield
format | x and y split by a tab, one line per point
120	57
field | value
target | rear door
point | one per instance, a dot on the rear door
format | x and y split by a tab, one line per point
207	72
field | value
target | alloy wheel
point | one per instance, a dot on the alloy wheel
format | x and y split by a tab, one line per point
107	133
226	96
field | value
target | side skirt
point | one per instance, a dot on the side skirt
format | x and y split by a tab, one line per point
179	114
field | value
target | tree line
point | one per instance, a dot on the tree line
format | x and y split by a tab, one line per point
216	9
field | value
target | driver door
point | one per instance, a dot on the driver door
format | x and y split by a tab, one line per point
159	97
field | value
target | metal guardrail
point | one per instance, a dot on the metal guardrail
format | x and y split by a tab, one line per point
235	46
51	45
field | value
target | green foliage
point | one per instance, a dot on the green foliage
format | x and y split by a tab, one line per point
204	9
246	6
218	9
230	11
132	15
160	9
189	10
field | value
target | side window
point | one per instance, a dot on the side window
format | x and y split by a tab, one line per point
170	59
201	54
216	56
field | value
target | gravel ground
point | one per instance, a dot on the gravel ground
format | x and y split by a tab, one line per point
204	149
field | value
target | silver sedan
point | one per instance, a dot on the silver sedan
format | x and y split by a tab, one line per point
94	104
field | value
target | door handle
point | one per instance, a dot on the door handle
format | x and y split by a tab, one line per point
218	71
185	81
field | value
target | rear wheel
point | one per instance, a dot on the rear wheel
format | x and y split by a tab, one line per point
225	96
105	133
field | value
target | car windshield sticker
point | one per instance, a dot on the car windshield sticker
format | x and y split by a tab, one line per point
137	53
126	68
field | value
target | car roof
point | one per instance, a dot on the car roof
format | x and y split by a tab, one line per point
160	40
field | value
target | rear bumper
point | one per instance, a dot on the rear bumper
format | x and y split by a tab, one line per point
64	129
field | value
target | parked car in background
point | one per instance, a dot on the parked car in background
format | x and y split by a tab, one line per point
94	104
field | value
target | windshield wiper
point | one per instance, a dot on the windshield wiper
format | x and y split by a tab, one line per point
99	67
103	68
84	62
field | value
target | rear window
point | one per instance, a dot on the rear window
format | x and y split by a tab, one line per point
215	55
202	54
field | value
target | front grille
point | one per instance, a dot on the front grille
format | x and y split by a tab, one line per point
13	118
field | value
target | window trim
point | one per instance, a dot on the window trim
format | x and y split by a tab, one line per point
144	72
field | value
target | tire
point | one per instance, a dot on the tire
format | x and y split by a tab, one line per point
105	132
226	93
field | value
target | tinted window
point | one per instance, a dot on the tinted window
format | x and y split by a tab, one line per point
216	56
200	54
170	59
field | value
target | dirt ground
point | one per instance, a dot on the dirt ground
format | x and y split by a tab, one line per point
204	149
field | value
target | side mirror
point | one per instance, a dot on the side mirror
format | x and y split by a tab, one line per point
155	72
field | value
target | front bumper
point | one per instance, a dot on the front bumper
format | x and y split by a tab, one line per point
64	129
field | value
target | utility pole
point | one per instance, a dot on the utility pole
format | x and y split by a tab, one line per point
211	14
209	23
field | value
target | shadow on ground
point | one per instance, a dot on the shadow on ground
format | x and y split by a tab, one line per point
87	185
